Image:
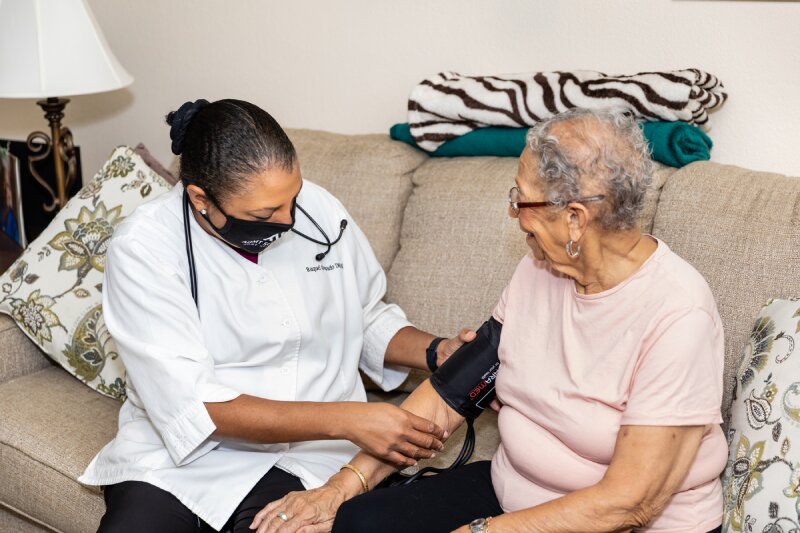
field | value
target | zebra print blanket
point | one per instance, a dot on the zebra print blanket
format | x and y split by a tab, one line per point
449	105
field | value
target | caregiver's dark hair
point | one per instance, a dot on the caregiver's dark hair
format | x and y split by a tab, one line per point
223	143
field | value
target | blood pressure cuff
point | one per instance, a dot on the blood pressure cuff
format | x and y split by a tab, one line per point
466	380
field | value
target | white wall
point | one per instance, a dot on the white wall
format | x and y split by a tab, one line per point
348	65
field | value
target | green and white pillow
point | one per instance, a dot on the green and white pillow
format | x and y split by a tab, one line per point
762	478
53	291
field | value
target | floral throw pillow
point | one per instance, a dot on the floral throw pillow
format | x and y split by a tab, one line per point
53	291
762	478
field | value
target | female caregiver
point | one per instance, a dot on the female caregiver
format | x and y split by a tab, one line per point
610	379
242	355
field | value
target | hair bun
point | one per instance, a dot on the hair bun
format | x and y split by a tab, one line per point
179	120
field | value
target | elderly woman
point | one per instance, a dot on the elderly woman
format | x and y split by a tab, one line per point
610	386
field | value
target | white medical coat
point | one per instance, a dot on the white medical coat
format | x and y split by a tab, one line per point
290	328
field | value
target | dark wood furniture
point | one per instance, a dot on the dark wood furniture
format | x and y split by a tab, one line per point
9	251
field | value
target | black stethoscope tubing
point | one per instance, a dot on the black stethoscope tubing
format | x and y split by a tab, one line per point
187	230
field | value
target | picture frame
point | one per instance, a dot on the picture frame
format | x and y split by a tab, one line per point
12	219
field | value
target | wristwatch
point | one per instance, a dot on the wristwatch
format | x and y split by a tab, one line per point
431	355
479	525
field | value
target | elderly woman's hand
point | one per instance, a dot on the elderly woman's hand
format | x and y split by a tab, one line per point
310	511
448	347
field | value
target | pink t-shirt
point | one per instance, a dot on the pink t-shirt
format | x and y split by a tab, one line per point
574	368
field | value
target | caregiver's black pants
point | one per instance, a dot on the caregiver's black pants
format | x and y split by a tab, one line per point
137	507
437	504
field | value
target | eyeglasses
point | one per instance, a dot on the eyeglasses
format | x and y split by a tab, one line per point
516	205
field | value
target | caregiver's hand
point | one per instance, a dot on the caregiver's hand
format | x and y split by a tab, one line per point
392	434
310	511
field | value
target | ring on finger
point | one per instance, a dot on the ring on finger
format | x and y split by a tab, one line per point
283	516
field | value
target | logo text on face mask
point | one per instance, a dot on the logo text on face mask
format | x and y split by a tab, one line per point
324	268
262	242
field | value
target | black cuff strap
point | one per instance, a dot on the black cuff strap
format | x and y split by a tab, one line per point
466	381
430	354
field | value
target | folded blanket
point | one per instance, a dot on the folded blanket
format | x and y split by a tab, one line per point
677	144
499	142
672	143
450	105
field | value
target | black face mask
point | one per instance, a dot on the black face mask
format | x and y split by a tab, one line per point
250	235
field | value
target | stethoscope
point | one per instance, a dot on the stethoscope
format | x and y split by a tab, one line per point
190	249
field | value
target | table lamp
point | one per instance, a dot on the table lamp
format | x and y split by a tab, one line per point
50	49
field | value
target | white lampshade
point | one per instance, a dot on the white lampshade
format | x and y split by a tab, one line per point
54	48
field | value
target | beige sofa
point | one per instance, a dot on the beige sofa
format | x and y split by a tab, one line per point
440	229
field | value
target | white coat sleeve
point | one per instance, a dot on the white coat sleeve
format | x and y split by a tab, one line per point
381	320
152	318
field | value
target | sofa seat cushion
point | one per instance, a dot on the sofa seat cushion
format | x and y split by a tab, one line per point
45	445
51	426
10	521
741	230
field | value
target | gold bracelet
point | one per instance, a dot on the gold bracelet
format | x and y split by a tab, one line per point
360	475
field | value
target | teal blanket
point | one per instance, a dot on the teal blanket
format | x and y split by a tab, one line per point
674	144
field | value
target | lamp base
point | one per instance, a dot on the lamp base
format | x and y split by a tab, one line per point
59	142
33	195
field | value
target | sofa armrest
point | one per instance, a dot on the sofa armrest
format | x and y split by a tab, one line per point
18	355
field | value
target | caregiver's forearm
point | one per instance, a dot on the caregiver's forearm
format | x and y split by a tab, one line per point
253	419
407	348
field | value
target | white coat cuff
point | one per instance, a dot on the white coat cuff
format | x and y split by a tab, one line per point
215	393
187	437
376	340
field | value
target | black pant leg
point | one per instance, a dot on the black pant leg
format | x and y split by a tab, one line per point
273	486
437	504
135	506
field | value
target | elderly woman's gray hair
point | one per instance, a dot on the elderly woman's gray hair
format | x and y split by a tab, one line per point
606	154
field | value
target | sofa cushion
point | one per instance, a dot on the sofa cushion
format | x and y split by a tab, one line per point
11	521
46	444
54	290
459	247
20	355
660	176
370	174
762	474
741	230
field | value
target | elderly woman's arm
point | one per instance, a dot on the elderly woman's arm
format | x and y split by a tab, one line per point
313	511
648	467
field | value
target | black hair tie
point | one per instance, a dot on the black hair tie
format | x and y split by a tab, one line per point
179	120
